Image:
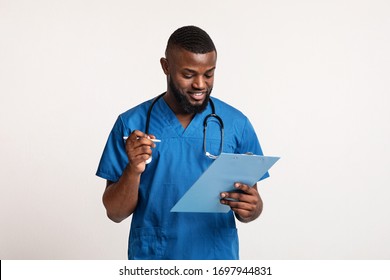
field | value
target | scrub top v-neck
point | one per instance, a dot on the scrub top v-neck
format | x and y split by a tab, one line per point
177	162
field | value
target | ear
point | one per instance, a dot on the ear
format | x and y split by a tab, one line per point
164	65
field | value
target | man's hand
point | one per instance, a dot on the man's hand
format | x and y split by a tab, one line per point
246	202
139	150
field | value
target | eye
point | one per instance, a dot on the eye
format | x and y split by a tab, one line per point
209	75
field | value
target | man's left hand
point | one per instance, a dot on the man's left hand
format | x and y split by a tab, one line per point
246	202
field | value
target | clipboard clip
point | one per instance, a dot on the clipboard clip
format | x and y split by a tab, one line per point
246	154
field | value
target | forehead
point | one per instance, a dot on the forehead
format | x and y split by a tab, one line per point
182	58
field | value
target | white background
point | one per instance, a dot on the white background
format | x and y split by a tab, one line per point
311	75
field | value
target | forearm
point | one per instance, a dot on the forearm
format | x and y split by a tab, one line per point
120	198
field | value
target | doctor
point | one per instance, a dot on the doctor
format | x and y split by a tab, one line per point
146	178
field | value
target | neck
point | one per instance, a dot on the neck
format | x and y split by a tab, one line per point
183	117
185	120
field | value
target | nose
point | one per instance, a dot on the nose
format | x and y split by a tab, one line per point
199	83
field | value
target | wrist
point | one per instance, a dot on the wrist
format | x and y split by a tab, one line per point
132	171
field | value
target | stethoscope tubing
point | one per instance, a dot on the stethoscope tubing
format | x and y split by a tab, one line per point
212	115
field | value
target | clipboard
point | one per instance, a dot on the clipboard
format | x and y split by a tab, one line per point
204	195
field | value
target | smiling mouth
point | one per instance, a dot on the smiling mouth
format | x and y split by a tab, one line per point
197	95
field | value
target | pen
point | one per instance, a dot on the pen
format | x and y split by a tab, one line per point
153	140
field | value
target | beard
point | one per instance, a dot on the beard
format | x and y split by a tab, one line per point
185	104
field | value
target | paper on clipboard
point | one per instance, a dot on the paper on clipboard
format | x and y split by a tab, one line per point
204	195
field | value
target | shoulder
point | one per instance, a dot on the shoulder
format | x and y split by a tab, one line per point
133	118
227	111
139	109
240	136
232	117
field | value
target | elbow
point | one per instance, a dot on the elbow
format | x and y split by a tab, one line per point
117	214
115	218
117	211
114	214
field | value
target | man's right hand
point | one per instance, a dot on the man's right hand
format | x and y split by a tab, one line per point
139	150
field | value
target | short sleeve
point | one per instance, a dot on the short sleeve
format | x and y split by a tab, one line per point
114	158
250	143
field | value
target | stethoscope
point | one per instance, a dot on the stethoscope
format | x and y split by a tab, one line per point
205	122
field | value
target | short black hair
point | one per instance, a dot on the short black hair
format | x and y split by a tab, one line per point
191	38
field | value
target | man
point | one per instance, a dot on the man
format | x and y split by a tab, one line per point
145	179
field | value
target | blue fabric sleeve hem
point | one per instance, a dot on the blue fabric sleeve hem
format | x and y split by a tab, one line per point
265	176
106	176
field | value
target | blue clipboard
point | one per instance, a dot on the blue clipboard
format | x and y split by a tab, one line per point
204	195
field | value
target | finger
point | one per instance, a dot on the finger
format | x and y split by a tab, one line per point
243	209
243	187
145	141
132	140
234	196
134	151
138	138
140	151
240	188
239	195
238	205
242	213
141	158
143	149
136	134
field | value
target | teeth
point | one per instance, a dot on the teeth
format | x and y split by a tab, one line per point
198	93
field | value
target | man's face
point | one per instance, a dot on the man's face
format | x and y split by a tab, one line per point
190	79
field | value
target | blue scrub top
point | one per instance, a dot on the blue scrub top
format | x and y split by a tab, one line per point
177	162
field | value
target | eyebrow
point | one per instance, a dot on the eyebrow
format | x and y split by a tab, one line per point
193	71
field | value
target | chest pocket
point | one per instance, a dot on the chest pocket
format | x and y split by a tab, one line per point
214	147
